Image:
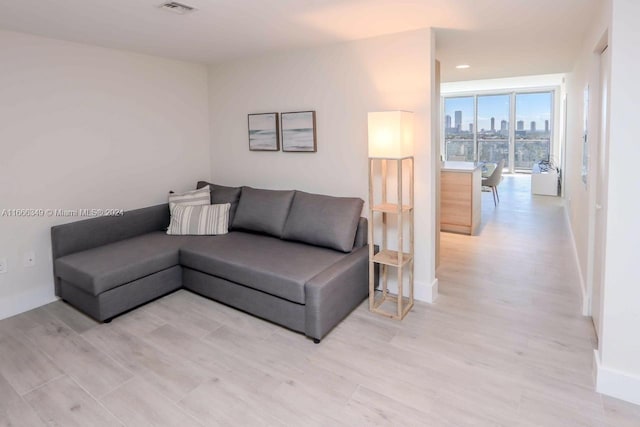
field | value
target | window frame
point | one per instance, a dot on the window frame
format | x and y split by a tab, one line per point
512	92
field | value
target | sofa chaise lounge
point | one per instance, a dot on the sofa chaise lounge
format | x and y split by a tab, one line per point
293	258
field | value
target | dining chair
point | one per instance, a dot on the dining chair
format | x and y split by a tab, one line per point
493	180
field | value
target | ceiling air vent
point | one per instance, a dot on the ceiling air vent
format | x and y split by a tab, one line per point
175	7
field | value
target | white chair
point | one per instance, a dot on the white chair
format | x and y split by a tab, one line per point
493	180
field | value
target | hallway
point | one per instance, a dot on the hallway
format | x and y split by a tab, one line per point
515	290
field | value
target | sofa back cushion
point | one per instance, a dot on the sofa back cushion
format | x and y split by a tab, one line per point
325	221
263	211
221	195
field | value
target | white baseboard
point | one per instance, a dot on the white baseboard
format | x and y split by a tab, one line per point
614	383
10	306
586	299
426	293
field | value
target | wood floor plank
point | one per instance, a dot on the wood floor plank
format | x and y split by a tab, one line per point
539	409
24	321
138	403
366	408
139	322
173	311
619	413
173	376
222	401
23	365
62	402
14	411
91	368
76	320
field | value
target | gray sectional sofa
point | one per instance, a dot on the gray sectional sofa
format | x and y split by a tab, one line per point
293	258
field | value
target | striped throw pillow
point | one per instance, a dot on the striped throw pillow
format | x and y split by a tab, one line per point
201	196
203	220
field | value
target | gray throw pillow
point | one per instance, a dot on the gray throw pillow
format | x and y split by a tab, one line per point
221	194
325	221
263	211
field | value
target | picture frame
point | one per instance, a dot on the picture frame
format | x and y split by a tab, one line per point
264	132
299	132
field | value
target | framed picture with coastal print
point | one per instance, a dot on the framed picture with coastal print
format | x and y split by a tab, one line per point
264	132
299	131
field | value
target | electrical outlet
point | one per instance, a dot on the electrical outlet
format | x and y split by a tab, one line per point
3	265
29	259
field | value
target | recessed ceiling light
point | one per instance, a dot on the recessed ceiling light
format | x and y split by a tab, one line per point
175	7
463	66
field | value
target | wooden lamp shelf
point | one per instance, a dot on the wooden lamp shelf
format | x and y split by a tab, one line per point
381	301
391	258
391	208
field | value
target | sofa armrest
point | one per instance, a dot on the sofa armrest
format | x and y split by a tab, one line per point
333	293
362	233
91	233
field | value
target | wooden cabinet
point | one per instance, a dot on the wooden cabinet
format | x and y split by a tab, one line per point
460	195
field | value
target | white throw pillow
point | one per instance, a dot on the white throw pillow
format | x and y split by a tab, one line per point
201	196
202	220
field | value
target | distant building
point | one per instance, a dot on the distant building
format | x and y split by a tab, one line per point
533	126
447	121
470	127
504	126
520	124
493	124
458	115
546	126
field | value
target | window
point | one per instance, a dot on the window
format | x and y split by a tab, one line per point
493	128
514	126
459	135
533	129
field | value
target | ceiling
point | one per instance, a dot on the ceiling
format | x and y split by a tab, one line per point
498	38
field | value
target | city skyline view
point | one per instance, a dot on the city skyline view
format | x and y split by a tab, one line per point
492	133
536	107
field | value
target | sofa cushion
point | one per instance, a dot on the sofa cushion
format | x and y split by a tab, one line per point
323	220
221	194
271	265
106	267
263	211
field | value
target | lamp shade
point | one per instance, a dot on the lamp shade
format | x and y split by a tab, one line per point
390	134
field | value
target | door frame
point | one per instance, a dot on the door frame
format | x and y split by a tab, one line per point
598	171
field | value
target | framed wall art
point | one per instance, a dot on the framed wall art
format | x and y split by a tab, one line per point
264	132
299	131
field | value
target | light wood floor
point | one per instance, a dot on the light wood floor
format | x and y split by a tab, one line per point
504	345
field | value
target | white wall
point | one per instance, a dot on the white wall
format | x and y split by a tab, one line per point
618	357
88	127
620	346
578	195
504	84
341	83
